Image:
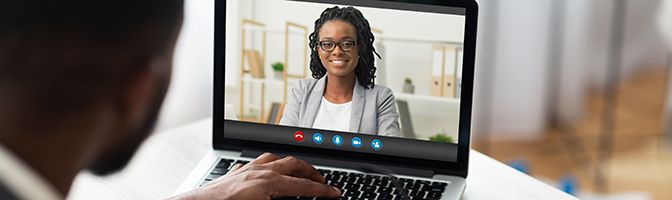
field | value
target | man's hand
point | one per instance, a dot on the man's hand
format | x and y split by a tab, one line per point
266	177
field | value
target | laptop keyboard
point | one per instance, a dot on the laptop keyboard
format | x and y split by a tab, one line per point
356	185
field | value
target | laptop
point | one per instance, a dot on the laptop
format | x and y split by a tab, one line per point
417	42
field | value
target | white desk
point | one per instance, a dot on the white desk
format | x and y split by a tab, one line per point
167	158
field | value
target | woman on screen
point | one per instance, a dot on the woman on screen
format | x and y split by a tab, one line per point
341	95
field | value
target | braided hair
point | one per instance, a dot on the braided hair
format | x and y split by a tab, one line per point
365	69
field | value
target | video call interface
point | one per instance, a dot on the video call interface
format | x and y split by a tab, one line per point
367	77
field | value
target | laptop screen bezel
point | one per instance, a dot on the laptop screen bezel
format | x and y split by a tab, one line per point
458	168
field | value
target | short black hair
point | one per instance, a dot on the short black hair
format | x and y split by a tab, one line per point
61	54
365	71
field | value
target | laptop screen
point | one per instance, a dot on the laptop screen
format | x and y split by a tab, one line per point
360	76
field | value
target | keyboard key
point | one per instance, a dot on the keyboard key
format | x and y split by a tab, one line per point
220	171
425	188
223	163
416	186
339	173
398	192
384	190
437	189
434	195
418	194
439	184
368	194
385	183
372	176
352	186
370	188
385	196
364	181
335	177
376	182
242	162
353	193
421	194
349	179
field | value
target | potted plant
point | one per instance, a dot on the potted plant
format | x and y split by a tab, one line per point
408	86
278	68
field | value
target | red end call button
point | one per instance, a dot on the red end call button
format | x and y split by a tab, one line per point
298	136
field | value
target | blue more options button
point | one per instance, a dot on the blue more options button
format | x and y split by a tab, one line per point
376	144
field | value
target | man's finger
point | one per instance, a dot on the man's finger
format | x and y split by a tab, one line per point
295	167
292	186
265	158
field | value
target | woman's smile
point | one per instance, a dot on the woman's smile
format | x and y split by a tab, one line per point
339	62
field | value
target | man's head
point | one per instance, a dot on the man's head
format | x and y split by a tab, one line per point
102	65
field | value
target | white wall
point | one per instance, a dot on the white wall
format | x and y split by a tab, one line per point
573	62
190	95
520	82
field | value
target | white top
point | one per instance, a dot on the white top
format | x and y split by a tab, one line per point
21	180
333	116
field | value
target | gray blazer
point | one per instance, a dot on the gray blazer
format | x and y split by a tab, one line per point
374	110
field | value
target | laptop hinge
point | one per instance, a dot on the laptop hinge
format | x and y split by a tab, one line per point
344	164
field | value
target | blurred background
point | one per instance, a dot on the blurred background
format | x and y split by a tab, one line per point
572	92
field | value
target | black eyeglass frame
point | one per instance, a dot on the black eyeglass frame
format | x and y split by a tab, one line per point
339	44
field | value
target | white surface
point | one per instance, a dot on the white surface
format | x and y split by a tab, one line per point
167	158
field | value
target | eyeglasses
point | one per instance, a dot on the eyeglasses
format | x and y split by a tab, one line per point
329	46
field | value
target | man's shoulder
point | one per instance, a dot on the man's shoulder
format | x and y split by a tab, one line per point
5	193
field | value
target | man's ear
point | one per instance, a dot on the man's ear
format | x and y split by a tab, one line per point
140	89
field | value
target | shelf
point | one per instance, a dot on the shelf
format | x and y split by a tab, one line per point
406	96
404	39
275	31
263	80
